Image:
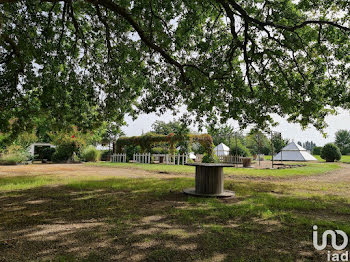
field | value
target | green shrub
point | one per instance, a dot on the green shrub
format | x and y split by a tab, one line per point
64	152
105	155
159	150
91	154
210	159
190	161
330	152
241	150
317	150
13	158
47	153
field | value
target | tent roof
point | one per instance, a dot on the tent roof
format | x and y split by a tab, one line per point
222	147
293	147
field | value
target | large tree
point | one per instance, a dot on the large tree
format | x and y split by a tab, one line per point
165	128
342	140
85	61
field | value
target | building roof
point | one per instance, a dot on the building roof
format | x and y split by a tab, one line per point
222	150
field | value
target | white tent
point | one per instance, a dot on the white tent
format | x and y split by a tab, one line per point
222	150
294	152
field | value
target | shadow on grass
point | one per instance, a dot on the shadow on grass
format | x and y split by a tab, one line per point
151	220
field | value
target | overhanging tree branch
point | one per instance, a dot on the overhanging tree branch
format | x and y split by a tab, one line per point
246	16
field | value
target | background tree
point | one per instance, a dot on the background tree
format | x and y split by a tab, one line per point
309	145
224	134
239	150
279	143
164	128
342	140
84	62
258	143
317	150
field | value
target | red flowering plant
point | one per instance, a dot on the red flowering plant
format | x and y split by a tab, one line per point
68	142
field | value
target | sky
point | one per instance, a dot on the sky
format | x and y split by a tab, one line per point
293	132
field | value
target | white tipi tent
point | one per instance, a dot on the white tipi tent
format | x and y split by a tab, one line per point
293	152
222	150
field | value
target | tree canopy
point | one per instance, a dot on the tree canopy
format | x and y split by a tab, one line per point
342	140
164	128
83	62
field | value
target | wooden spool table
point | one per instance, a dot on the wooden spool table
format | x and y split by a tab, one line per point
209	180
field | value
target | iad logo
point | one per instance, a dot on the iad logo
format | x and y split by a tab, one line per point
333	236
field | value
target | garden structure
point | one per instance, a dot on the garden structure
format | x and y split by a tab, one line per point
146	142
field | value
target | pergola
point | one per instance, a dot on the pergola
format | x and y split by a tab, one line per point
147	141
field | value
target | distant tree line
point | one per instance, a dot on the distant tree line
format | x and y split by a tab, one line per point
308	145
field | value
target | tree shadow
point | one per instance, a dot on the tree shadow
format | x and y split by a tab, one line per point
152	220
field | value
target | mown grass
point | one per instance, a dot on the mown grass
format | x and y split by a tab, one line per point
344	158
25	182
307	170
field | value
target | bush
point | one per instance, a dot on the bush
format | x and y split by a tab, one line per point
241	150
210	159
13	158
330	152
47	153
91	154
64	152
159	150
105	155
190	161
317	150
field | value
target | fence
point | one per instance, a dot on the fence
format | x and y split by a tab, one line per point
118	158
142	158
231	159
161	158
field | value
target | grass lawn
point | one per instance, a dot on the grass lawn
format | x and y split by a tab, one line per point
307	170
53	217
344	159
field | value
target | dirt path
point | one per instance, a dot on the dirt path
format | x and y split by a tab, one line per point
76	170
337	176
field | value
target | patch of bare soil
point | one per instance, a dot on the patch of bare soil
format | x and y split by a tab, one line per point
337	176
76	170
